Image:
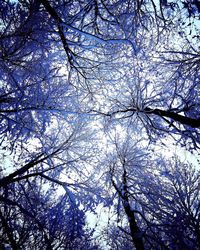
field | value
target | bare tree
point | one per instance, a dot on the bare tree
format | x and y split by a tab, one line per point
158	197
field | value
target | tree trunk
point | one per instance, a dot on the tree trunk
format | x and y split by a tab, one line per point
136	234
194	123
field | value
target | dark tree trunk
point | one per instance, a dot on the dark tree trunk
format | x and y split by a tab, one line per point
136	233
194	123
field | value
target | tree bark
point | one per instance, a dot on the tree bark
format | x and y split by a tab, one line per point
194	123
184	120
136	233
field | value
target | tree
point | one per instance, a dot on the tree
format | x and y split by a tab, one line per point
85	24
156	90
28	193
158	197
33	218
176	212
72	72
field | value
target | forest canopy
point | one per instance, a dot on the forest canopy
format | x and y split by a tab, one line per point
99	110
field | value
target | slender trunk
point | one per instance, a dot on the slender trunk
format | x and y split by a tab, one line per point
136	233
51	10
9	179
194	123
59	22
184	120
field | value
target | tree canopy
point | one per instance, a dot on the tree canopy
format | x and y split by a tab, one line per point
95	98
